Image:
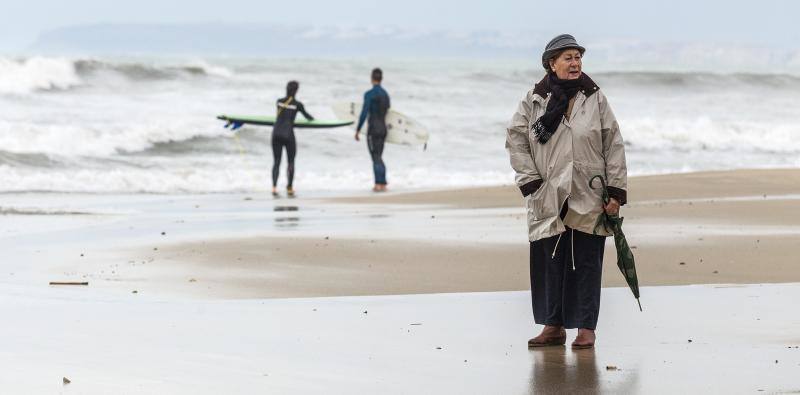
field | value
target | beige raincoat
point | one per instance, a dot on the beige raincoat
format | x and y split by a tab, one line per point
585	145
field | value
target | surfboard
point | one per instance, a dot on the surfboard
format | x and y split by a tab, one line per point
401	129
238	120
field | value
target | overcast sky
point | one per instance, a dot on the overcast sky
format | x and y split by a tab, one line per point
767	23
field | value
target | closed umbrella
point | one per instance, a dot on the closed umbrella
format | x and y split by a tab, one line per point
613	223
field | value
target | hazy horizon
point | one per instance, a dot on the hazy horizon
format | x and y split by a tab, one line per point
768	25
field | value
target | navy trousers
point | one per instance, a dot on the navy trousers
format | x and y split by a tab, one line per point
563	294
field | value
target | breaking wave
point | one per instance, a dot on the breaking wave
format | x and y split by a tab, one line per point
41	74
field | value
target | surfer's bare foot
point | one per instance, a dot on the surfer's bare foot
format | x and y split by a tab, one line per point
290	192
274	191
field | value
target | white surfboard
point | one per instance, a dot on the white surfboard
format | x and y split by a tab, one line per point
400	128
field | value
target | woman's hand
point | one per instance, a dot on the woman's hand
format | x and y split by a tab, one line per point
612	208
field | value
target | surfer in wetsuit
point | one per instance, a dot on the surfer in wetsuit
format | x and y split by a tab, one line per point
376	105
283	135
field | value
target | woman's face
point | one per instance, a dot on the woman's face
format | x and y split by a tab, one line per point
567	65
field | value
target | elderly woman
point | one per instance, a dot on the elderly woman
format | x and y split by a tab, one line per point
562	135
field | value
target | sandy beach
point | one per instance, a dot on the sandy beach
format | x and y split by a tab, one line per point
698	228
397	283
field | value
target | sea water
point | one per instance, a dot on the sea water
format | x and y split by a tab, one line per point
147	125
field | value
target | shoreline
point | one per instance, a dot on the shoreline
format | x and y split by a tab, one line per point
696	228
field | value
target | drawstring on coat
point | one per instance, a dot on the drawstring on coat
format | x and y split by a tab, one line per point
571	246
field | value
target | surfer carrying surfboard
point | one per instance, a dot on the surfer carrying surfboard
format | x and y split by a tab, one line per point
283	135
376	105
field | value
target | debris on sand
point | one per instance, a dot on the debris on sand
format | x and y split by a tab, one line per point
682	263
69	283
134	292
192	280
66	380
611	368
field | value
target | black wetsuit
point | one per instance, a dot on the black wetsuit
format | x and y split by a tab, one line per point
283	136
376	105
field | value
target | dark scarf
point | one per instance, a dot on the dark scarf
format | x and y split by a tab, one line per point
562	92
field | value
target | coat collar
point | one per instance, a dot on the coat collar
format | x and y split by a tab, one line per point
543	89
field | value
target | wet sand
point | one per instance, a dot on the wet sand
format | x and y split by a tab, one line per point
716	227
690	339
188	294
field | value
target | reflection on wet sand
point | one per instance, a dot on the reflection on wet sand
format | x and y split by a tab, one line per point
286	222
560	370
554	371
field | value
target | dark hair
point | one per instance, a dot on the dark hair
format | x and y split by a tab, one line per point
291	88
377	75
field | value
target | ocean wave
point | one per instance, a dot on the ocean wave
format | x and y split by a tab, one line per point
706	134
21	76
27	160
149	71
697	80
37	211
34	144
42	74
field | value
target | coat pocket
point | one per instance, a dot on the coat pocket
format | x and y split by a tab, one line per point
586	200
543	203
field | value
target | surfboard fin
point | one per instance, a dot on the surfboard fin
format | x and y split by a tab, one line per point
236	125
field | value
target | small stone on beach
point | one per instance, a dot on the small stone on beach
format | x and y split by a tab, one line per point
163	233
611	367
134	292
66	380
682	263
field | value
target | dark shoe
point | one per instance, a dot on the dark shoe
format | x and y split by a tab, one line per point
542	341
584	340
550	336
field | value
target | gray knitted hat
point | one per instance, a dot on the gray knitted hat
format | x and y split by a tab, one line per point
558	44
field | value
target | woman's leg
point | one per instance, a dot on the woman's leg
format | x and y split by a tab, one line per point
547	279
291	151
582	285
277	151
